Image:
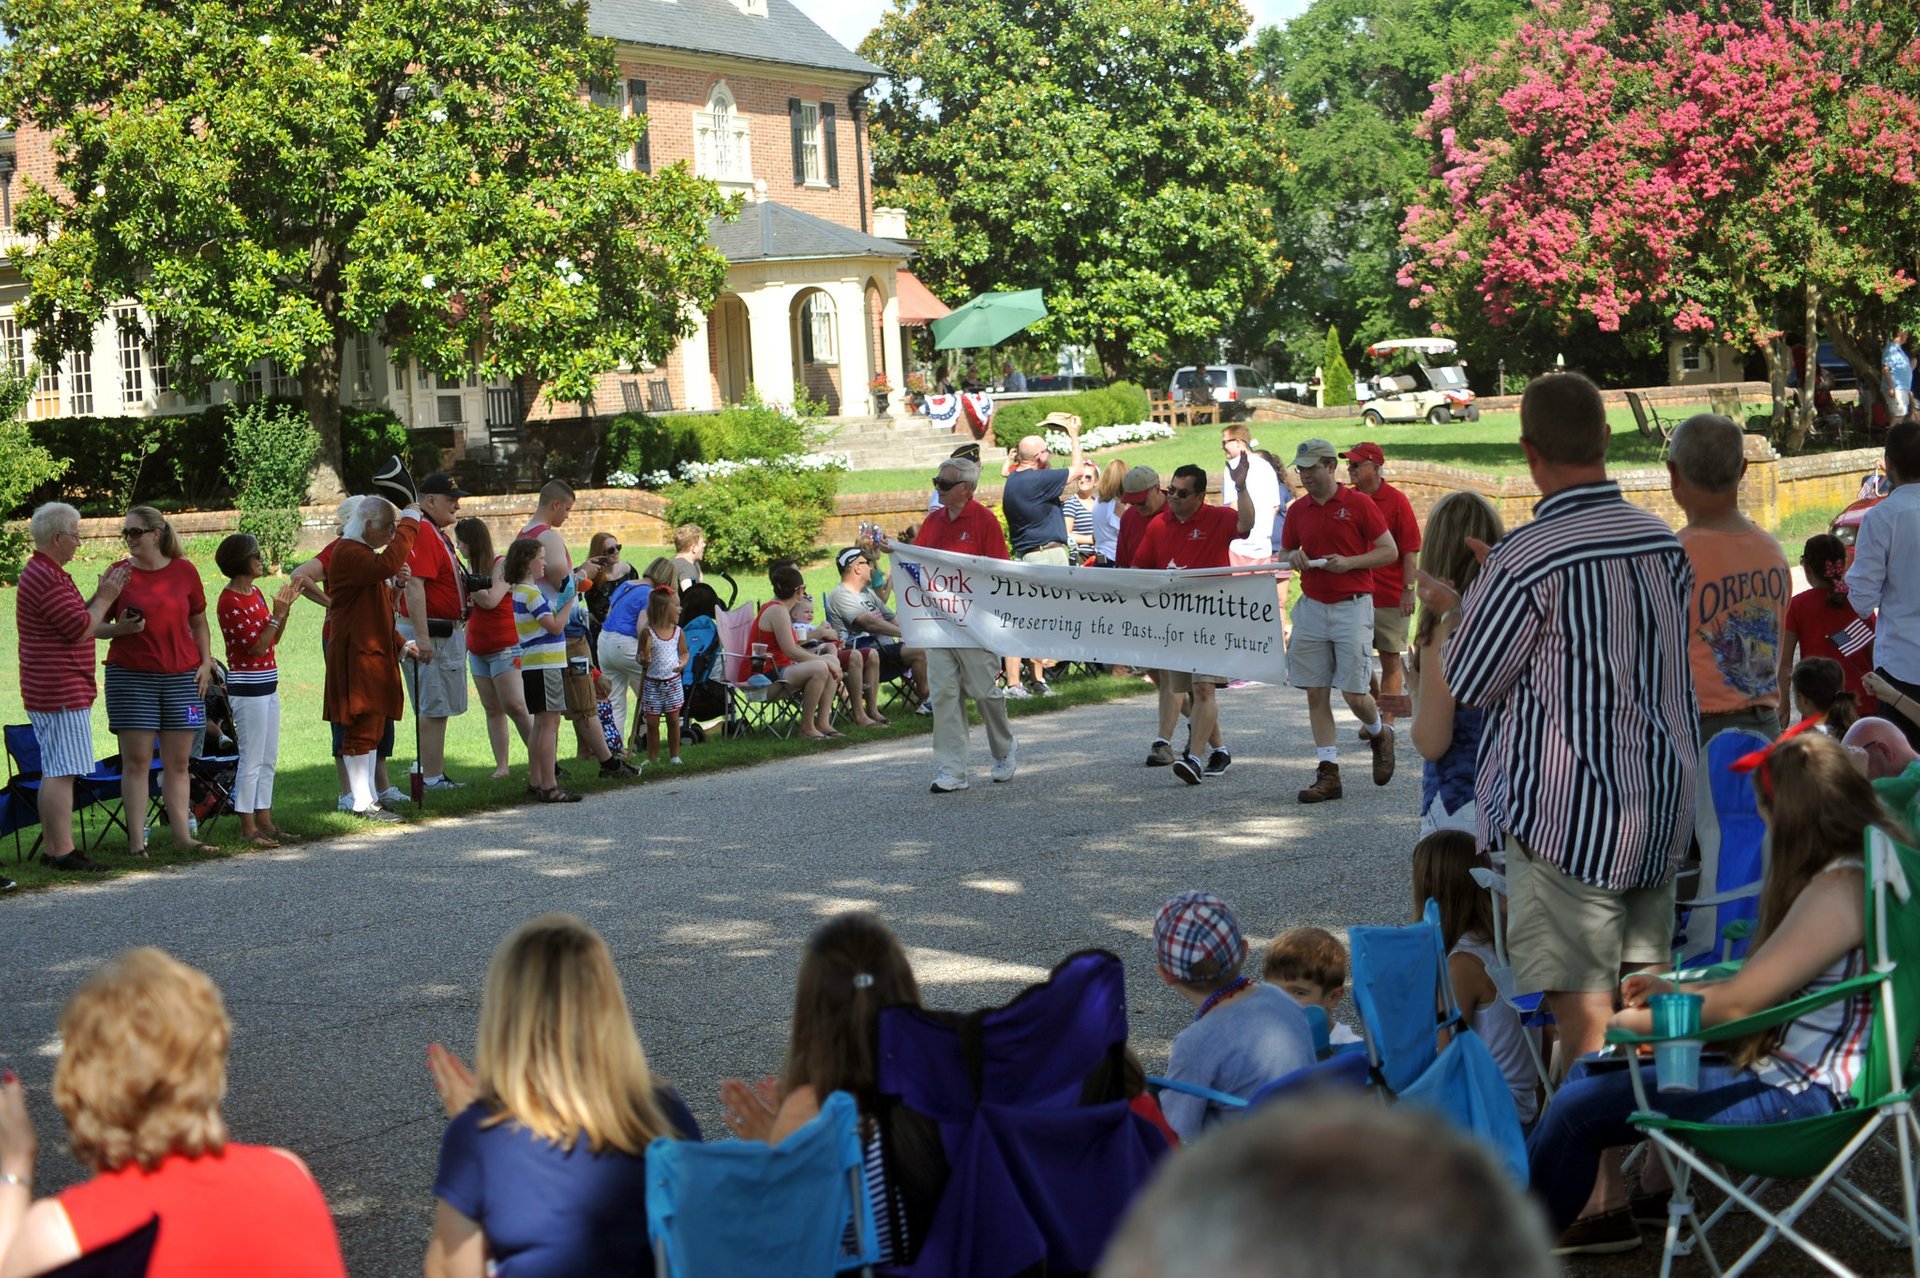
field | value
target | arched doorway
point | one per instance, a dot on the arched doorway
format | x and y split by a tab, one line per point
815	324
731	344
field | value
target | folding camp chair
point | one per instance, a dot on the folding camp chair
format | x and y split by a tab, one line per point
1732	838
747	1209
23	787
1531	1008
1822	1148
770	706
1405	997
1346	1068
1648	419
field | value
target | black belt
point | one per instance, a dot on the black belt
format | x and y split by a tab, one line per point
441	628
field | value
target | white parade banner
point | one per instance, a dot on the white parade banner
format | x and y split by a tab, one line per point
1218	621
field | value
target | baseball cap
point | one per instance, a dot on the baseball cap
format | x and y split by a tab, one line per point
1137	483
1367	452
441	482
1197	938
1312	452
846	557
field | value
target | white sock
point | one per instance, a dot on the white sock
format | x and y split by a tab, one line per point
1373	729
1329	754
360	780
1161	741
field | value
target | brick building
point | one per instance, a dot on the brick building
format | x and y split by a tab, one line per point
749	93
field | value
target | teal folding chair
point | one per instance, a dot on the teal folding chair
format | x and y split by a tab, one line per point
1744	1160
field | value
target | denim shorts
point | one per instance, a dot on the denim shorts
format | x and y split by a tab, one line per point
147	701
493	664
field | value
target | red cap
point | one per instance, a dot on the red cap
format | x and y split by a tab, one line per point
1366	453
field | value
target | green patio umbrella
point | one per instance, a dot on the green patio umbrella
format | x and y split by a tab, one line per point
988	320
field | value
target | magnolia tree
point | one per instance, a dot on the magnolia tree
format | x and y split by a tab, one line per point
1113	153
1724	169
269	179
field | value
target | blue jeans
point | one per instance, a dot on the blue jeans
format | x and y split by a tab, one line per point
1589	1114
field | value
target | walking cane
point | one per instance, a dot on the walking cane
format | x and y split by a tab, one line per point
417	779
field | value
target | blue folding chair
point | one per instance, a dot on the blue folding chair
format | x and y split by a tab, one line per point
1401	986
1732	839
748	1209
22	810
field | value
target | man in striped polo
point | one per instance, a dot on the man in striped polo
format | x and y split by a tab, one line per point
1573	639
57	631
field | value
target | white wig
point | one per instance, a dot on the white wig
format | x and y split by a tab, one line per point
375	511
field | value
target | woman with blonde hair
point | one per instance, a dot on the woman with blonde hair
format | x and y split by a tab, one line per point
157	678
1106	512
1460	529
543	1167
143	1068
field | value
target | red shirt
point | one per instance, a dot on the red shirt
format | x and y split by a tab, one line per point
1133	526
976	531
246	1211
434	568
1347	523
56	648
764	637
243	619
1390	582
1201	542
170	597
1814	621
491	630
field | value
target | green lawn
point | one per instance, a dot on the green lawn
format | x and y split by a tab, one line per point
305	787
1489	445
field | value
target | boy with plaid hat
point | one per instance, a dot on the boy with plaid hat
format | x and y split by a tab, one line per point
1243	1035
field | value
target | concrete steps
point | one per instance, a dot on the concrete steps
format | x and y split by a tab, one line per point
885	443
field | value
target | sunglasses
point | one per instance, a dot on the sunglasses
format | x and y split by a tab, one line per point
134	534
1181	493
948	485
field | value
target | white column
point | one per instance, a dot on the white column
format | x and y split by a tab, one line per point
892	352
773	371
850	314
697	390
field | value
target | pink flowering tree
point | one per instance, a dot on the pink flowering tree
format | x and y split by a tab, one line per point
1719	170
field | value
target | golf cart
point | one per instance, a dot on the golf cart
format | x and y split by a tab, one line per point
1434	388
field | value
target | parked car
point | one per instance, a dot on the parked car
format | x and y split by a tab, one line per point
1233	387
1055	383
1846	524
1434	388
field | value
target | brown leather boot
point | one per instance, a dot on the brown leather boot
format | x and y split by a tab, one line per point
1382	747
1326	785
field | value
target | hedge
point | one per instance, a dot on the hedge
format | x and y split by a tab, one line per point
638	444
756	515
1121	404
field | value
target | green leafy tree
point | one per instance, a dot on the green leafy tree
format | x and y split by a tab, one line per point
24	467
269	456
269	179
1112	153
1336	379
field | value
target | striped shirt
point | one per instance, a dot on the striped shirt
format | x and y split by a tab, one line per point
1574	640
540	648
1827	1046
56	638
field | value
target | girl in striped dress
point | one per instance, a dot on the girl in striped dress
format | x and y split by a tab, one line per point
252	629
1811	937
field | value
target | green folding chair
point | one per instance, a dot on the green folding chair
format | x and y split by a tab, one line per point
1821	1149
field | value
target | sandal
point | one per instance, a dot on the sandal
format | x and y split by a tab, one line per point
557	795
262	839
194	845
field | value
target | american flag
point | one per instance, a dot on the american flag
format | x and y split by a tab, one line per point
1854	639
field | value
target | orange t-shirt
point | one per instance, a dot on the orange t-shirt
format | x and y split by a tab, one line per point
1741	588
246	1211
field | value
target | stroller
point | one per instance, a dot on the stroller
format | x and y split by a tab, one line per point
216	756
706	692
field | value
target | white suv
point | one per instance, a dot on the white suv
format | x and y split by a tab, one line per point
1234	387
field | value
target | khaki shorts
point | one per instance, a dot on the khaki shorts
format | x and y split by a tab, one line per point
1328	646
1572	937
1050	555
1389	629
1180	682
438	688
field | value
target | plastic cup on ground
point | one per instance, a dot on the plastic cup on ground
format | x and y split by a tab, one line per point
1677	1064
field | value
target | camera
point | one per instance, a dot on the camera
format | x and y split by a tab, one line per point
477	581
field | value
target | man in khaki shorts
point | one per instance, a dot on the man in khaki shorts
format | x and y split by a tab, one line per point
1587	767
1392	583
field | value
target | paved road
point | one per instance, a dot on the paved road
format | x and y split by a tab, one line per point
341	961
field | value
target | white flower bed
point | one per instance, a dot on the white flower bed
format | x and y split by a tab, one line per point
695	472
1110	436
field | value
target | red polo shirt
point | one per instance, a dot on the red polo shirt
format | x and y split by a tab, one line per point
433	567
56	638
1201	542
976	531
1133	526
1347	523
1390	582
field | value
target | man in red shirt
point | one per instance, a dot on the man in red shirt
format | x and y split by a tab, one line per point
1393	583
1336	538
1141	498
57	687
435	623
963	526
1190	534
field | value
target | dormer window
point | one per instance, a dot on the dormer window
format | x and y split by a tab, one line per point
752	8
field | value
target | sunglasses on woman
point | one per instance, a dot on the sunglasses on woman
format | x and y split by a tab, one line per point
134	534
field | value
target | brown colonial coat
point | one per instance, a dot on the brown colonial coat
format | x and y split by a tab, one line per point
363	649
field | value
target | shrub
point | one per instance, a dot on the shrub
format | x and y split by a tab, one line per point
1336	379
637	443
1120	404
119	461
269	458
640	445
756	515
368	436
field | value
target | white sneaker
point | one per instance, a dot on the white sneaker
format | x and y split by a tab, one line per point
392	796
1016	692
926	707
676	761
1003	768
947	783
444	782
